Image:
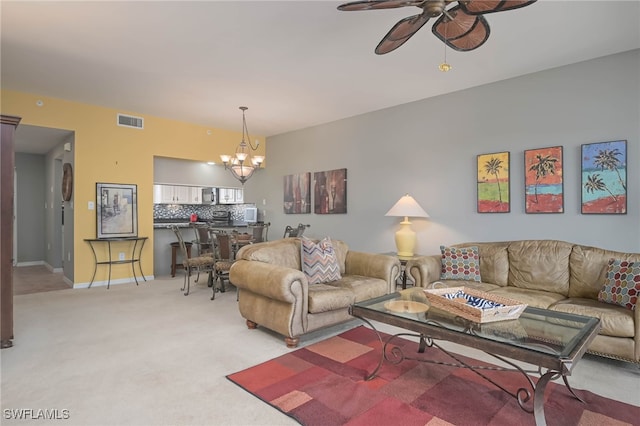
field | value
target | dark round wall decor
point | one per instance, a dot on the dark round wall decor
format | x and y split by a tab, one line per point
67	181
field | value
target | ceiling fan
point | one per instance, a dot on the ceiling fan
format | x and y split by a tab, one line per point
461	27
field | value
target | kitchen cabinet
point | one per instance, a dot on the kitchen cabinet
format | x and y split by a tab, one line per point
177	194
230	195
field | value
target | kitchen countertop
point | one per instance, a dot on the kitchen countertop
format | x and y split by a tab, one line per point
168	223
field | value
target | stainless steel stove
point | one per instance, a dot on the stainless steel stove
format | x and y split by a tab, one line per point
219	218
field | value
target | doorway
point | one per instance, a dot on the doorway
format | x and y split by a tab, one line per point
43	221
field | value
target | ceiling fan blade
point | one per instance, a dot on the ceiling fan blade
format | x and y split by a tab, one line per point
378	4
401	32
477	7
464	32
386	45
407	27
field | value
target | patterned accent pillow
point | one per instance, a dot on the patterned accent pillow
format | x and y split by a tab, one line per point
319	261
621	284
460	263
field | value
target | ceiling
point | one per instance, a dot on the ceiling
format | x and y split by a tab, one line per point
295	64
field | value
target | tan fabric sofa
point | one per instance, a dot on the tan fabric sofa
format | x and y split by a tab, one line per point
274	292
554	275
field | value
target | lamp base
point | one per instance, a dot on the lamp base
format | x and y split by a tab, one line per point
405	239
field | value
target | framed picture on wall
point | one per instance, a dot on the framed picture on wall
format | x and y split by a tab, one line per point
604	178
493	184
297	195
330	192
116	210
543	180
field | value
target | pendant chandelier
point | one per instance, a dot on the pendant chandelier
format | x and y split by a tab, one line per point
242	164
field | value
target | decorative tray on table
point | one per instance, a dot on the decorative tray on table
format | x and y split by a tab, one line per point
475	305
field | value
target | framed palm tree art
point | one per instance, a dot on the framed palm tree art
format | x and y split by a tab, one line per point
493	184
543	180
604	178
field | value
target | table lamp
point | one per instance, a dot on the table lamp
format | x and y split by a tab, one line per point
406	207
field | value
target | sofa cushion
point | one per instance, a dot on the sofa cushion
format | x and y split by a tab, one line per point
362	288
460	263
482	286
319	262
615	320
589	268
622	284
341	249
494	261
325	298
535	298
540	265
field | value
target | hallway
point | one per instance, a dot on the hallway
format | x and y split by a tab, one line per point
37	279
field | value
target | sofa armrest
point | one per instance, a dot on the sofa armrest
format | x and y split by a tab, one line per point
271	281
636	337
424	269
373	265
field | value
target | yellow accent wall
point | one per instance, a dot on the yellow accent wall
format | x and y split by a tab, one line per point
105	152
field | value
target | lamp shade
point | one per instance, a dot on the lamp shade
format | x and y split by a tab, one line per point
407	206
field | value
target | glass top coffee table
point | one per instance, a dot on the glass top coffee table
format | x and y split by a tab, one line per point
552	341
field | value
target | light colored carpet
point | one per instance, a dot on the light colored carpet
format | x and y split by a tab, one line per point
147	355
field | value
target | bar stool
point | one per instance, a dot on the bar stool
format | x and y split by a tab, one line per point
174	254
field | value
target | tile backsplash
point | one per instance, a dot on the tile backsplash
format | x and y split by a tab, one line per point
204	212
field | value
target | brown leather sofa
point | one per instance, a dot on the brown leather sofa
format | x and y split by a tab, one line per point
275	293
549	274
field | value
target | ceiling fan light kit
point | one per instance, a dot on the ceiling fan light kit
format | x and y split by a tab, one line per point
461	27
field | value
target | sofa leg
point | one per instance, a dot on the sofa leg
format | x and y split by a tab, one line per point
251	324
292	342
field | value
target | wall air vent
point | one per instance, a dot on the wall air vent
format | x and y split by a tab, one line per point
130	121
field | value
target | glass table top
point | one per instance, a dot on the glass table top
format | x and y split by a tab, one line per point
540	330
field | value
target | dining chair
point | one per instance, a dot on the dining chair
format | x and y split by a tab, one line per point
290	231
202	240
196	264
259	231
222	259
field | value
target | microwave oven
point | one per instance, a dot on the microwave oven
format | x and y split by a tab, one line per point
210	196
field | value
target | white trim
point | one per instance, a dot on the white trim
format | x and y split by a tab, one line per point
33	263
52	269
114	282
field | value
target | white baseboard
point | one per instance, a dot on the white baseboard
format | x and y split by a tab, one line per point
34	263
52	269
114	282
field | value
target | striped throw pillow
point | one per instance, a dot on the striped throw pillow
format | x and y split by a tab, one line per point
319	261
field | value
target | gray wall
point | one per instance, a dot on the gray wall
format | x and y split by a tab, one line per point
59	238
428	149
186	172
30	219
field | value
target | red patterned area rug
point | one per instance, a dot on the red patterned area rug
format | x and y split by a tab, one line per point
323	384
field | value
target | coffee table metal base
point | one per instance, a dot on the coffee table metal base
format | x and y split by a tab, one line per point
530	400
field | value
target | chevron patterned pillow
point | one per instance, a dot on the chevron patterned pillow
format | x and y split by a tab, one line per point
319	262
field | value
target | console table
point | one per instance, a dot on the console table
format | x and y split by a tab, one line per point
134	255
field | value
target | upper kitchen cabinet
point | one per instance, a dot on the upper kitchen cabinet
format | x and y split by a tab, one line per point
230	195
177	194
